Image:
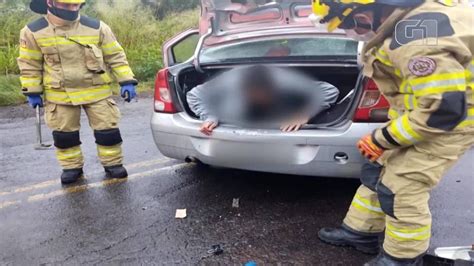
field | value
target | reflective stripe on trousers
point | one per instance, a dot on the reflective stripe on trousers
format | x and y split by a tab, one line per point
82	96
71	158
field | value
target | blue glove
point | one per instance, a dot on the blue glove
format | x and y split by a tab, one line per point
35	100
128	92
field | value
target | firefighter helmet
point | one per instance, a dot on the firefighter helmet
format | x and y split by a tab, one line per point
41	6
335	12
71	1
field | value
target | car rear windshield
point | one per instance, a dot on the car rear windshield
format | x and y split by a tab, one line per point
309	48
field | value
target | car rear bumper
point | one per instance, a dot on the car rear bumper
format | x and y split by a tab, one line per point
322	152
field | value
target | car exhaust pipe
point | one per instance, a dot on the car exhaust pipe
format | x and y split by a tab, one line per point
191	159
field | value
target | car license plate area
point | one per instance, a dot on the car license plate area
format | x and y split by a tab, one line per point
256	152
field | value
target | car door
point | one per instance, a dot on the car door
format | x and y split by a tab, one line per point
180	48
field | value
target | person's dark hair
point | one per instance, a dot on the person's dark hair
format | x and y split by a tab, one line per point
257	77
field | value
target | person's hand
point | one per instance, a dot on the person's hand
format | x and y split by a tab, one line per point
35	100
369	149
128	92
207	127
294	125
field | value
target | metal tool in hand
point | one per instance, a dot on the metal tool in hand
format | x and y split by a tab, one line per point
39	138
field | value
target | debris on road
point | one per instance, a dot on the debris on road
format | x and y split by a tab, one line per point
235	203
215	250
250	263
456	253
181	213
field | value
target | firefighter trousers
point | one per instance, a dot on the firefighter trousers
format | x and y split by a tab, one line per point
103	117
395	197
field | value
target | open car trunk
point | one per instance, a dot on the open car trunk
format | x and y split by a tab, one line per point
345	78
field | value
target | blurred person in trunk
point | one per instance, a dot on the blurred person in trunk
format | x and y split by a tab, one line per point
260	96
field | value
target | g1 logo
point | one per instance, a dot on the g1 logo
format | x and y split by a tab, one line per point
418	32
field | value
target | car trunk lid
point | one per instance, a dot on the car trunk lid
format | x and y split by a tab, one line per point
239	16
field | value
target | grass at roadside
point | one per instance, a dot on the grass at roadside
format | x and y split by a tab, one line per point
10	93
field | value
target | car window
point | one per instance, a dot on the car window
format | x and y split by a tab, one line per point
184	49
303	48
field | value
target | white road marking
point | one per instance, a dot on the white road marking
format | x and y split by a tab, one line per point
101	184
56	181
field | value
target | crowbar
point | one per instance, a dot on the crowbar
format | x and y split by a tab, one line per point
39	138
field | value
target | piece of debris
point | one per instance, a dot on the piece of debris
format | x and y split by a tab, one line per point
144	208
251	263
235	203
456	253
215	250
181	213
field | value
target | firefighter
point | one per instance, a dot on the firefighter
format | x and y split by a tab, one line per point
420	54
67	59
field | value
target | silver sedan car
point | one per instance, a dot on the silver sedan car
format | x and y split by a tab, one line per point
235	33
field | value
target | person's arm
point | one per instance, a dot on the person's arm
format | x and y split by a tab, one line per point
115	58
199	101
30	62
323	96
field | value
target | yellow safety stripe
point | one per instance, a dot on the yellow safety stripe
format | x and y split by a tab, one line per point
69	154
27	82
469	121
409	101
61	40
56	96
113	151
47	79
30	54
112	48
91	94
398	73
441	83
366	205
382	56
394	114
403	234
403	132
80	96
123	71
405	87
106	78
448	2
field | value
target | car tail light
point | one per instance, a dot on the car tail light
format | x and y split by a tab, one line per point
373	106
163	99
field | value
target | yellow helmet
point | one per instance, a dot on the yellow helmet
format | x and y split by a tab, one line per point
334	12
71	1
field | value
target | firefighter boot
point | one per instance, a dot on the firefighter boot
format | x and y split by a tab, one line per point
364	242
70	176
383	259
117	171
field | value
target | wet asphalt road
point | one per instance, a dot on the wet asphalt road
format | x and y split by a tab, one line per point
132	222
